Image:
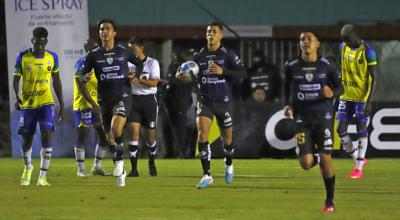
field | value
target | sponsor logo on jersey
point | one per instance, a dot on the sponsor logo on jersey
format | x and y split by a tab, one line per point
152	124
34	93
310	87
111	76
110	68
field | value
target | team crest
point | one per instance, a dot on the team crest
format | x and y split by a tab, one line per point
48	68
152	124
360	61
110	60
309	77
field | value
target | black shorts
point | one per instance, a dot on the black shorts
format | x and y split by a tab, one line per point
144	110
222	111
118	106
314	134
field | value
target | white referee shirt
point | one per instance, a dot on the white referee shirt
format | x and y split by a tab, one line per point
151	70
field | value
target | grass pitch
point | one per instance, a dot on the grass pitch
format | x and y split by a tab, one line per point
262	189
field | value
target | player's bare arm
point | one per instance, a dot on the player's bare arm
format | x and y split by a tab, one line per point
58	90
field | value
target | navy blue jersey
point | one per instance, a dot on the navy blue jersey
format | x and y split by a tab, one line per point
215	88
111	70
304	85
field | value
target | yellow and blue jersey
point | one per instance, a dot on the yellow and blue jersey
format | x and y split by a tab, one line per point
80	102
356	80
36	72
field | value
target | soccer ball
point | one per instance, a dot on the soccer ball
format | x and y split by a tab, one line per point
190	71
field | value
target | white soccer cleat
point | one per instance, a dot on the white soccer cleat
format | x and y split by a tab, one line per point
119	167
204	182
121	179
82	173
229	174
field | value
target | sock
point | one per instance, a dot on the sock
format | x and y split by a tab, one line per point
113	150
152	149
80	157
228	151
316	160
119	147
45	156
330	189
27	156
362	143
133	152
99	154
348	144
205	157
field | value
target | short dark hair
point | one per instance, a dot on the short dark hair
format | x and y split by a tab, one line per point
216	23
135	40
106	20
311	31
40	32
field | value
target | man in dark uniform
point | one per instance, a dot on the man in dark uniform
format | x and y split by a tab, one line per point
110	64
218	66
310	85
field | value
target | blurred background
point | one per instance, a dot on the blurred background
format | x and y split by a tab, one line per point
264	33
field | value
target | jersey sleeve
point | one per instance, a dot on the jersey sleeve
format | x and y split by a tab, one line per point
18	65
131	67
78	67
155	70
56	63
87	65
370	55
286	85
237	69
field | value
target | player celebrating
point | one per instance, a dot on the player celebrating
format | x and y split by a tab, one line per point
311	83
144	106
218	66
86	118
36	66
358	70
110	64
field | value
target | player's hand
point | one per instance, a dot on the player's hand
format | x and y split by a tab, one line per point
96	109
216	69
87	76
131	75
327	92
135	81
18	104
60	117
287	111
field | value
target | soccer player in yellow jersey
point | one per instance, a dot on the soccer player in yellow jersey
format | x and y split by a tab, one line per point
358	71
36	67
85	118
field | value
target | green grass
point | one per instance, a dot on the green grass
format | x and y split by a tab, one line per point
263	189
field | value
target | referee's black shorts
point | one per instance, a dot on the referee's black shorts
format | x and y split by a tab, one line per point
144	110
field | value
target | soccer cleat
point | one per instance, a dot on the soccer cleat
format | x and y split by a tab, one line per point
98	171
229	174
133	173
204	182
121	179
26	176
119	168
355	174
328	208
82	173
152	168
42	181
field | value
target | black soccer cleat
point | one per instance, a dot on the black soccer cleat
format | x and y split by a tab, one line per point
133	173
152	168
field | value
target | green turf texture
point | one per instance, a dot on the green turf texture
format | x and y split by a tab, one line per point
262	189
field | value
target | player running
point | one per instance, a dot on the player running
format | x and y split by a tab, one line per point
37	67
218	67
311	83
85	118
144	107
110	64
358	70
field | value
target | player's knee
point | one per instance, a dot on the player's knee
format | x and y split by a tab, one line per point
305	163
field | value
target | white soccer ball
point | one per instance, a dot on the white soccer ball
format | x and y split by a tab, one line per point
190	71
